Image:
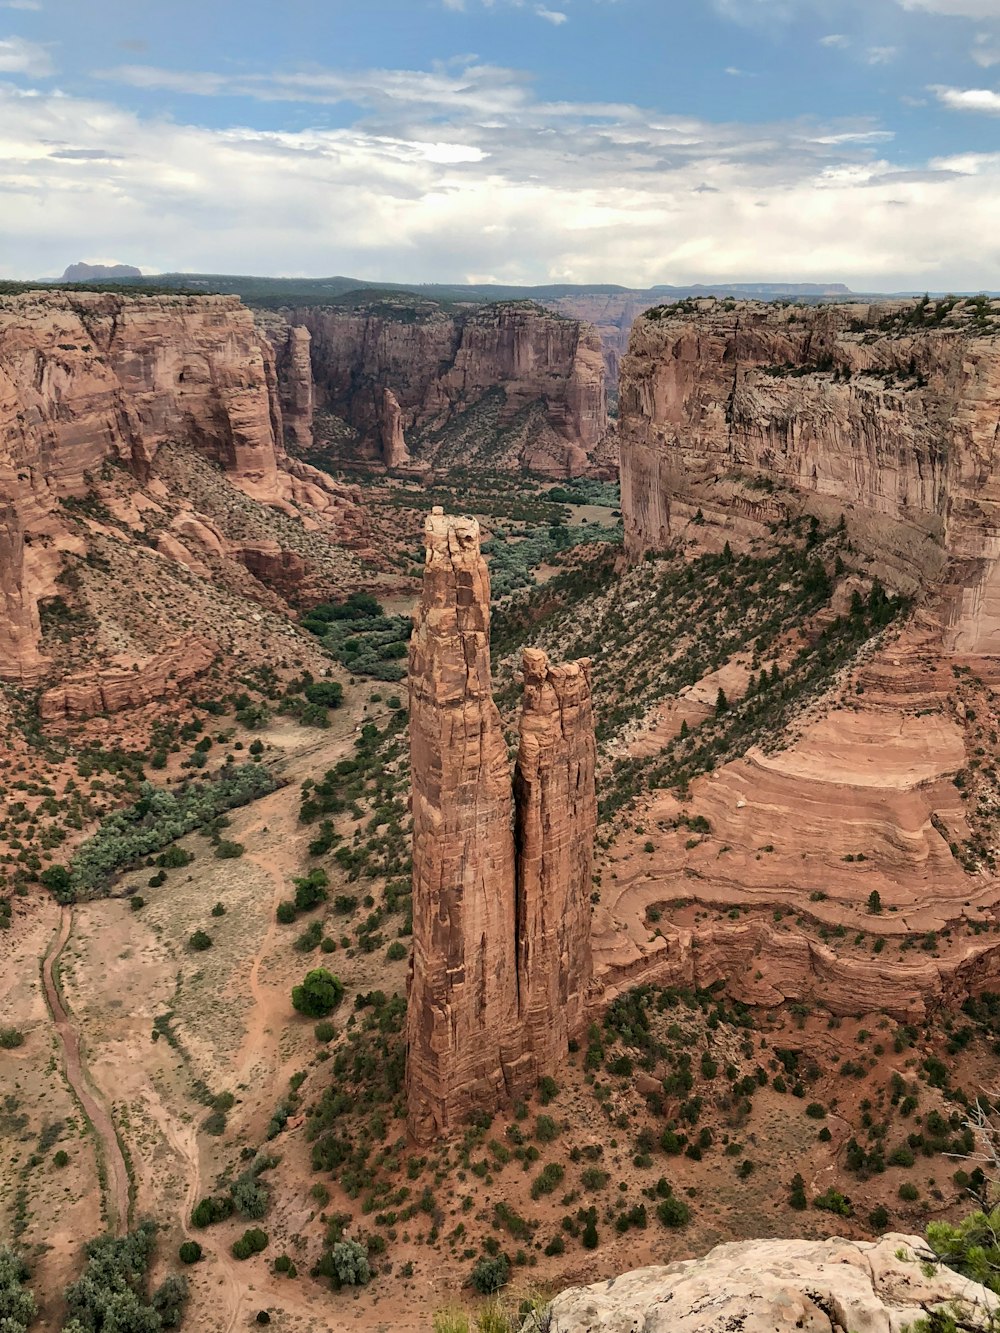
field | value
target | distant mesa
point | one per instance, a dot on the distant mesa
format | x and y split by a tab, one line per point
99	272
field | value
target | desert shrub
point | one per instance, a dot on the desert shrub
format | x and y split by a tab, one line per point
111	1291
489	1274
253	1241
17	1304
325	693
169	1300
324	1031
396	950
200	941
310	890
226	850
285	913
549	1179
797	1194
211	1210
10	1038
673	1212
61	1158
155	820
319	994
878	1219
831	1201
189	1252
250	1196
909	1192
349	1264
219	909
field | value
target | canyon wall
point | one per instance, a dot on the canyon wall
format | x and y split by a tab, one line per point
91	381
885	413
437	364
501	934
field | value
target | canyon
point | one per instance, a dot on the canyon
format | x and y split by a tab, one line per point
509	385
501	919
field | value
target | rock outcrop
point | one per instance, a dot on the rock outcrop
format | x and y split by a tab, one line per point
513	359
462	1008
394	450
883	412
294	367
833	1286
497	937
91	381
556	823
123	687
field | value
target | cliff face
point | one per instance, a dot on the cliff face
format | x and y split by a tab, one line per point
438	366
92	381
872	410
498	937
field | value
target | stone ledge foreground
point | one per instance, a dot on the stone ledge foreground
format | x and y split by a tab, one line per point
832	1286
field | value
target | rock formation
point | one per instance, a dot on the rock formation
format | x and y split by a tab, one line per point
394	450
879	411
123	687
93	379
556	823
514	358
496	937
294	366
759	1286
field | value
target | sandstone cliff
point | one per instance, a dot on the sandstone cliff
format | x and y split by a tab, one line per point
556	824
833	1286
92	387
501	941
886	413
513	358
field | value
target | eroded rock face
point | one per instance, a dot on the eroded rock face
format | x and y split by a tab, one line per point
91	379
294	366
394	450
462	1008
501	940
438	366
556	822
119	688
724	409
833	1286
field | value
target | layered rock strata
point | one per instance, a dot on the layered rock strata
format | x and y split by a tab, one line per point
90	380
498	935
882	412
117	689
759	1286
556	822
438	365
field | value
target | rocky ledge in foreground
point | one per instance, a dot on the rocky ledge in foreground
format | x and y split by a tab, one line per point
832	1286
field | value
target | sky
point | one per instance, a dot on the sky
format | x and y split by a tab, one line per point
516	141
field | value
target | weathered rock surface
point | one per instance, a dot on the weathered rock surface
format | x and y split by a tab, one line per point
394	450
462	1007
833	1286
294	367
94	379
729	409
439	365
556	821
501	941
122	687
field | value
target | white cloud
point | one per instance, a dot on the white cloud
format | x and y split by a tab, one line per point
837	40
454	173
554	16
985	51
18	56
881	55
968	99
32	5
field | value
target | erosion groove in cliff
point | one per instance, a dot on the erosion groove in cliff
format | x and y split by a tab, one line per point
501	932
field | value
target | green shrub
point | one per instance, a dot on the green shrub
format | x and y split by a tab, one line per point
909	1192
349	1262
319	994
219	909
61	1158
673	1212
190	1252
831	1201
228	851
17	1304
490	1274
396	950
285	913
200	941
253	1241
10	1038
324	1031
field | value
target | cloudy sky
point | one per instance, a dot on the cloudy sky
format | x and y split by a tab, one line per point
630	141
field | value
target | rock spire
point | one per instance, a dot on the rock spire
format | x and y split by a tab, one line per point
501	937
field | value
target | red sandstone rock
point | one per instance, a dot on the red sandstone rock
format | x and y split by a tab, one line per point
896	427
119	688
462	1009
556	821
394	450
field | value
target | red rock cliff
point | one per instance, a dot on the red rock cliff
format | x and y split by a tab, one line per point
88	378
875	411
439	365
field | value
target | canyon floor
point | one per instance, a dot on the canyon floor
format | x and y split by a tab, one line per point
771	1017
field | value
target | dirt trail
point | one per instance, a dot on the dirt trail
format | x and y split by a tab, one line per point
108	1147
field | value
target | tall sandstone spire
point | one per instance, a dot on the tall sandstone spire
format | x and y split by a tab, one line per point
501	942
462	1011
556	818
